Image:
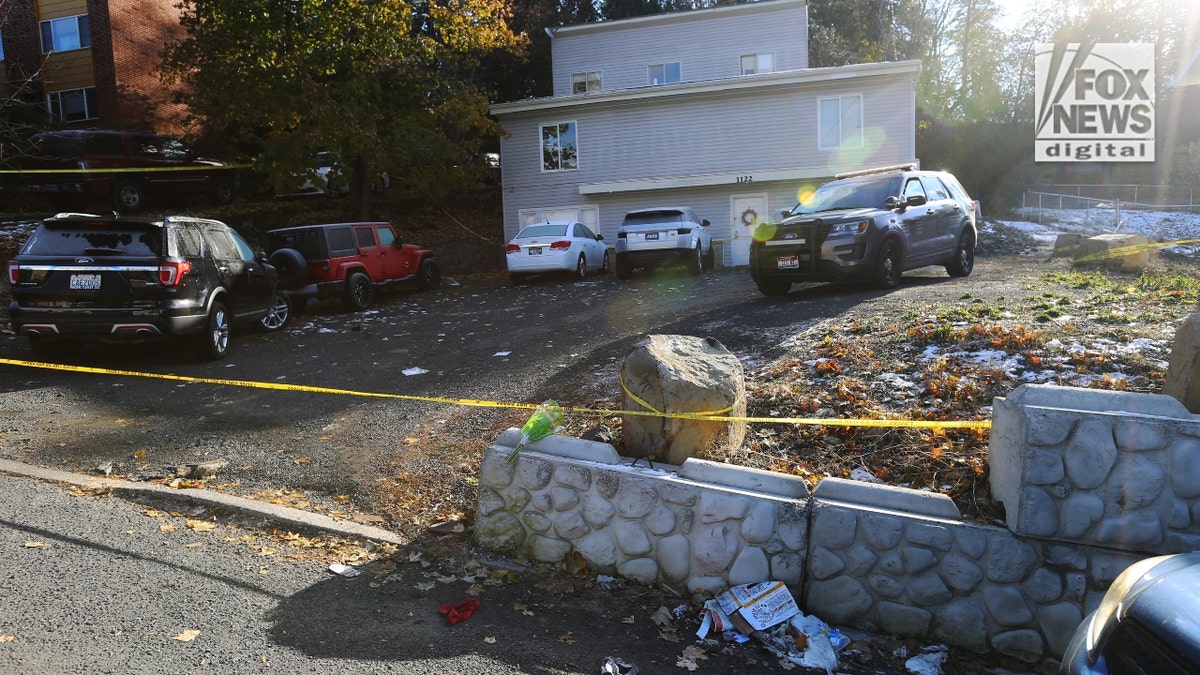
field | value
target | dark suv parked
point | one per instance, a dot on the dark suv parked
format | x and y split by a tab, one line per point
869	226
347	261
125	167
90	278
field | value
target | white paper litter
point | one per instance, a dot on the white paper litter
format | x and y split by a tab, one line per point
414	371
344	570
929	663
501	353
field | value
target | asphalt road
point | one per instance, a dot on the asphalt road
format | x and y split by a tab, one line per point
93	583
477	338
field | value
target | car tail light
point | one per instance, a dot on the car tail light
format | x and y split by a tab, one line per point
14	271
684	230
170	274
512	248
560	245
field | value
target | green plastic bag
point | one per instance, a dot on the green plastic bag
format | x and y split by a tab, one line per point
546	420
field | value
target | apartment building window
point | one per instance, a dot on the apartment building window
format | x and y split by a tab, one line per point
1	50
840	123
752	64
73	105
65	34
581	83
560	149
664	73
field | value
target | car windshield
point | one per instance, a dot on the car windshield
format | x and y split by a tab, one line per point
653	217
87	241
862	193
543	230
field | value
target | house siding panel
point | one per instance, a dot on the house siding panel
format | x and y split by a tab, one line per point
707	43
57	9
68	70
747	135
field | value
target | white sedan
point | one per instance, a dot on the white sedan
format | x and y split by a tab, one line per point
560	246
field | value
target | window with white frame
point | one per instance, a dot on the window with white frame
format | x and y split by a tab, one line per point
581	83
65	34
664	73
752	64
73	105
840	122
560	147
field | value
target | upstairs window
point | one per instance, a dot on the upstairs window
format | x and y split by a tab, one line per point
73	105
840	123
752	64
1	50
664	73
65	34
560	150
582	83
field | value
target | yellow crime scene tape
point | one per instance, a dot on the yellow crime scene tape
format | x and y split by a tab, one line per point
1121	251
710	416
140	169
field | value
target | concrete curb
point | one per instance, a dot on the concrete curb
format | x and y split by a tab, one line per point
282	514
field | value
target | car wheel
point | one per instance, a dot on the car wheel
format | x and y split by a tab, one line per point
581	268
224	191
430	275
964	257
291	266
606	264
710	258
277	315
774	288
696	261
128	196
359	291
624	269
888	267
213	341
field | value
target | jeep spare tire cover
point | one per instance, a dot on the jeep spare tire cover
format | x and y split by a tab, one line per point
291	266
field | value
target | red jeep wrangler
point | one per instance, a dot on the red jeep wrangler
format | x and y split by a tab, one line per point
347	260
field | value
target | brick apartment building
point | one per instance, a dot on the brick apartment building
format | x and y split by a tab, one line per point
91	63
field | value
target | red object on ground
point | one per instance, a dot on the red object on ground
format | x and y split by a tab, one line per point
460	612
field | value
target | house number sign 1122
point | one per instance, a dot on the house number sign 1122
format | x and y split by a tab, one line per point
745	179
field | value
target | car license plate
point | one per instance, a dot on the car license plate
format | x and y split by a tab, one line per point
535	250
789	262
85	282
652	236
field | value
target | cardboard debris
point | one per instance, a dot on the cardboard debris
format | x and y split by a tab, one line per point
760	605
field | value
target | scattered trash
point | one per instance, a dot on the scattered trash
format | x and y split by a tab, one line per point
344	570
929	663
105	468
415	370
819	650
460	612
448	527
501	353
547	419
614	666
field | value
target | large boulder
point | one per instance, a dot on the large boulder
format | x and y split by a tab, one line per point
1116	251
1183	369
682	374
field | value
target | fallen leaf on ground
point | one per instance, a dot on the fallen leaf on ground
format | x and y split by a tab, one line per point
566	638
628	619
188	635
166	528
194	544
523	608
201	525
7	638
301	460
36	544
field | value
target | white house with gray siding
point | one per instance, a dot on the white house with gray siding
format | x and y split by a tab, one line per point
716	109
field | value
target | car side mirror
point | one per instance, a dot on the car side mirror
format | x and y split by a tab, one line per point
261	256
705	222
599	237
785	213
892	203
916	200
